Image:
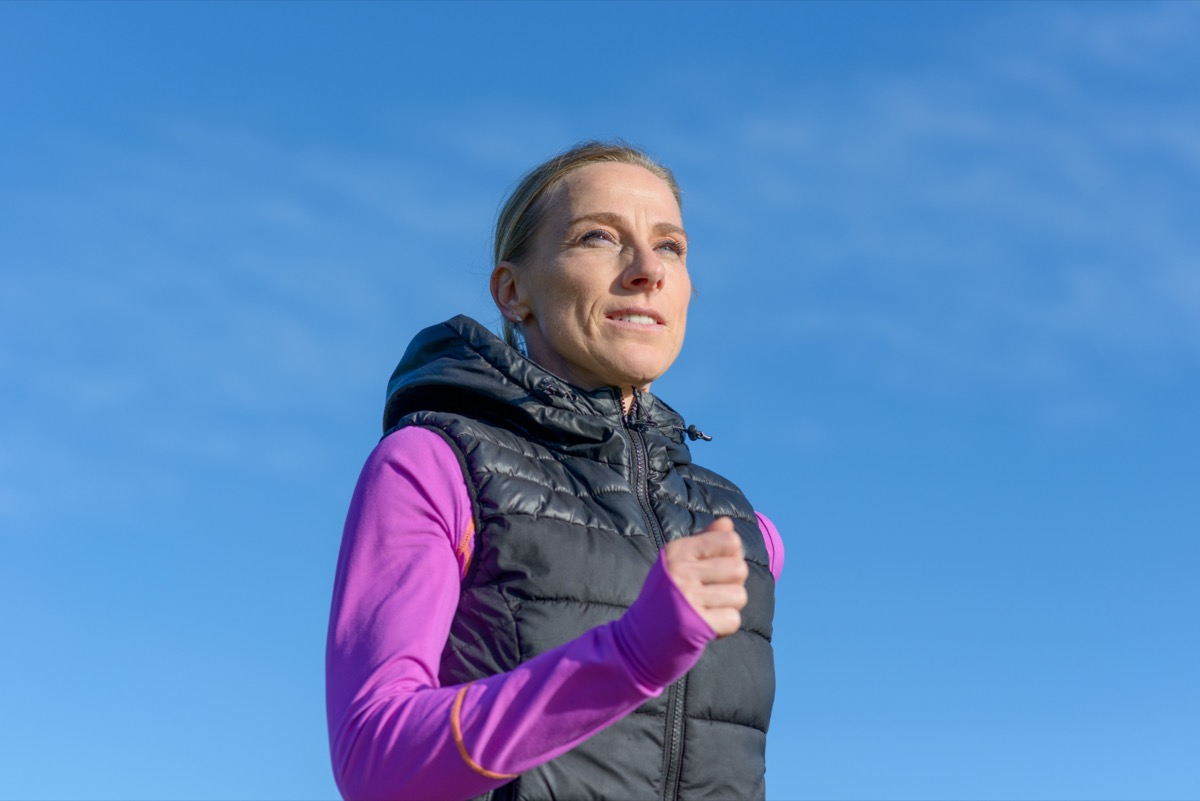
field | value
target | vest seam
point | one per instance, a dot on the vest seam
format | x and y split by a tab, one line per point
582	602
713	484
465	643
551	455
574	493
694	507
703	719
640	711
601	493
701	475
531	516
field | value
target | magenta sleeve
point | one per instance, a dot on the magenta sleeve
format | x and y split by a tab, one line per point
774	544
394	731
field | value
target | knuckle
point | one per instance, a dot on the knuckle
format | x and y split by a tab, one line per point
730	621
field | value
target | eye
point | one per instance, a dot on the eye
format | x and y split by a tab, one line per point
673	246
597	236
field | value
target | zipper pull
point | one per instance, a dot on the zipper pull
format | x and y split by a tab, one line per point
630	418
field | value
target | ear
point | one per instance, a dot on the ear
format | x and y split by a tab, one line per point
506	292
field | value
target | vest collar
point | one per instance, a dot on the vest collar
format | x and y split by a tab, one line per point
460	366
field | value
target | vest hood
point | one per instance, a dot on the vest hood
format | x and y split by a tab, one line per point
461	367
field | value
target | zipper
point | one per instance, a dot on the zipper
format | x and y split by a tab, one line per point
674	744
673	741
641	479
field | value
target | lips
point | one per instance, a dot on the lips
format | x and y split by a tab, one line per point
638	316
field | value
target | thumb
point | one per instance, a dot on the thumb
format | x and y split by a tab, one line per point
719	539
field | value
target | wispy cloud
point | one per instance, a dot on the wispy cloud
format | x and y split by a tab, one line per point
1004	222
196	294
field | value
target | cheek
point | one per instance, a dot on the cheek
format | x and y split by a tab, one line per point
546	293
566	297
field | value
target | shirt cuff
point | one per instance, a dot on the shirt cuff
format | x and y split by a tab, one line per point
661	636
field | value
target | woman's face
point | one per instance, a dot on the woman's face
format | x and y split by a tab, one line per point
604	291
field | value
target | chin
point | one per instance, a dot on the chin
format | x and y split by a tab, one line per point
640	370
642	379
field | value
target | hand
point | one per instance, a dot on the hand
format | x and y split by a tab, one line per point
710	570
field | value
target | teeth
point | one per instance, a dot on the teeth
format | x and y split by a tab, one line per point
644	319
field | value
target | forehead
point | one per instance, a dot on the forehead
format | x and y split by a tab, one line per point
623	189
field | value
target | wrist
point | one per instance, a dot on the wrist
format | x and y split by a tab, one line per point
661	636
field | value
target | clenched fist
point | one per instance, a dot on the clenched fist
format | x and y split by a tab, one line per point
710	570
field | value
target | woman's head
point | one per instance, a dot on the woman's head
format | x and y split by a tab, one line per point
591	262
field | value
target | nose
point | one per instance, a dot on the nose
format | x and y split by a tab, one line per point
645	271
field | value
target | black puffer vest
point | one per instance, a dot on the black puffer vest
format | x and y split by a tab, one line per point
572	503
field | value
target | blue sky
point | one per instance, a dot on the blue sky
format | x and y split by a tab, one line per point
947	336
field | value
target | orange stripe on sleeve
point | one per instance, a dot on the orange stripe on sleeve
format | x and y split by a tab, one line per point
456	728
464	549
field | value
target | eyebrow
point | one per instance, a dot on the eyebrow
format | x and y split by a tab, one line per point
617	221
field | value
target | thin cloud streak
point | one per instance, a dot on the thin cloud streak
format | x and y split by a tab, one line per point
191	296
1039	213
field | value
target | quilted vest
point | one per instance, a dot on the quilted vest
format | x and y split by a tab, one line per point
573	500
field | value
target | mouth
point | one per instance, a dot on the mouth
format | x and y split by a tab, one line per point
636	316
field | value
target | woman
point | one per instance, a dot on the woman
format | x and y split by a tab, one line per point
538	594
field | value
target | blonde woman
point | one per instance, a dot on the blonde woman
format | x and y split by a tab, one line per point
539	594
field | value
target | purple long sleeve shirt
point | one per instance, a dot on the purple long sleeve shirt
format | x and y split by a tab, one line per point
394	731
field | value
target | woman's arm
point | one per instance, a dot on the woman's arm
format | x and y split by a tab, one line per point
396	733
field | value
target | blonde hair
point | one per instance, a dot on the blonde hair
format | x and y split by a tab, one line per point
524	208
